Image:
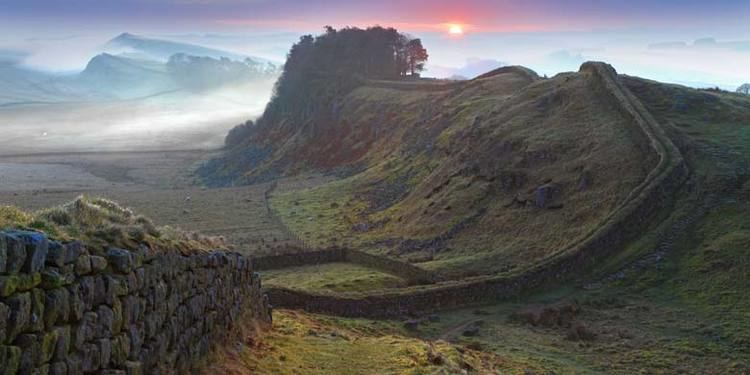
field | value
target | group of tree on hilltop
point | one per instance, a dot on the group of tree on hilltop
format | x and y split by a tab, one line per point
319	69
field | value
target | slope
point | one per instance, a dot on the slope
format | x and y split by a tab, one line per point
488	176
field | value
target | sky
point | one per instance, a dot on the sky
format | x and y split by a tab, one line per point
650	38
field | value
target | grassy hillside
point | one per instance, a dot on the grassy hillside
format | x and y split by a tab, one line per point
478	178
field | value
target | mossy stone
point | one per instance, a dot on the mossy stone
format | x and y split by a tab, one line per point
48	344
8	285
29	281
10	357
52	279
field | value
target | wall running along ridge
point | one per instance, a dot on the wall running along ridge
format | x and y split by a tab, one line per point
625	223
65	311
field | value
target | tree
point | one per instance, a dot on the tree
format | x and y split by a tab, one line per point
744	89
416	56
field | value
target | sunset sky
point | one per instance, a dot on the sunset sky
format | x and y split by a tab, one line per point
546	35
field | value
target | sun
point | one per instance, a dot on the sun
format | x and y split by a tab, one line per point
455	29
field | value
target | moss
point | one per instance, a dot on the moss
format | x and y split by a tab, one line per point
8	285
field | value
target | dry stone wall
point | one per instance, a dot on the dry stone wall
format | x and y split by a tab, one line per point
66	311
412	274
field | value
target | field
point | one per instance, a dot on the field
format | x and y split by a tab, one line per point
332	277
158	185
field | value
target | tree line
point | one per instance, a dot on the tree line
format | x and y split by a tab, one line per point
321	68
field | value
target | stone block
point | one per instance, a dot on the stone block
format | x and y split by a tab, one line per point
105	350
73	251
28	281
117	286
36	246
30	345
120	349
10	357
15	252
85	330
83	265
41	370
56	306
36	320
56	254
47	345
8	285
76	303
135	335
58	368
3	253
52	278
105	328
4	317
90	357
75	364
62	346
20	313
122	261
98	264
133	368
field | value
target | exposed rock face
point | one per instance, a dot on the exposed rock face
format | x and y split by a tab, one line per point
64	311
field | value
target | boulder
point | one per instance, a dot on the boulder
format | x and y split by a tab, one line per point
545	195
121	260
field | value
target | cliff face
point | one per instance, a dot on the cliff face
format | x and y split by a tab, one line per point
65	311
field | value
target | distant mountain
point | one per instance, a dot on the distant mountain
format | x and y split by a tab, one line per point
159	49
134	67
23	86
123	77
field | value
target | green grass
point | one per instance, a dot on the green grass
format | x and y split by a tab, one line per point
331	277
309	344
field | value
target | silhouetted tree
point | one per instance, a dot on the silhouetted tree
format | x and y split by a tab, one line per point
416	56
744	89
322	68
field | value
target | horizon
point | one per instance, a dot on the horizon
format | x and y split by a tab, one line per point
545	36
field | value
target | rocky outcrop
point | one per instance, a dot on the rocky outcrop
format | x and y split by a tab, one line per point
65	311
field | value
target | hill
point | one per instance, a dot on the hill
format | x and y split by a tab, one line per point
501	185
481	177
136	67
159	49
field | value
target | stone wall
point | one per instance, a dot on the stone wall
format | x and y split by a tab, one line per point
411	273
65	311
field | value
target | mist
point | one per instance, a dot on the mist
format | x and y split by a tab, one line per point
177	122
